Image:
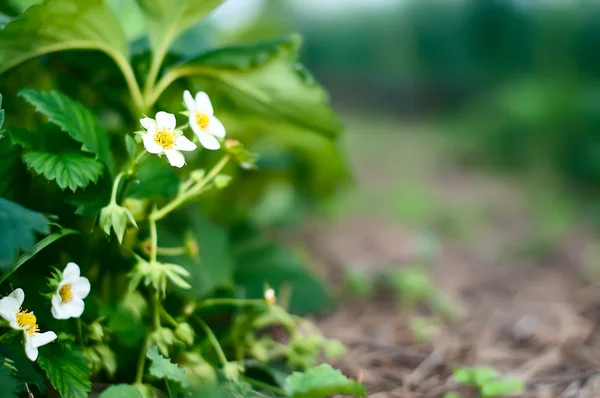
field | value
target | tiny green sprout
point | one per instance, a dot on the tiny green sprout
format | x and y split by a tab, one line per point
357	282
222	181
488	381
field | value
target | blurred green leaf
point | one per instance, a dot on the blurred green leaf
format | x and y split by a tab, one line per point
276	265
1	112
67	370
213	265
18	226
156	179
163	368
502	387
60	25
75	119
8	381
265	78
121	391
167	19
320	382
26	372
69	170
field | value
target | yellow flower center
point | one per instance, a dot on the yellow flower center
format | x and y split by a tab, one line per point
165	138
202	120
25	318
66	293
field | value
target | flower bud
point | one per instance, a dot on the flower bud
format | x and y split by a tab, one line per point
136	207
232	371
270	297
163	338
246	159
116	217
185	333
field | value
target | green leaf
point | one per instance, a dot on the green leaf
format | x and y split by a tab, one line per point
276	265
60	25
70	169
322	381
265	78
10	165
18	226
213	266
67	369
121	391
9	383
48	240
167	19
163	368
156	179
75	119
25	370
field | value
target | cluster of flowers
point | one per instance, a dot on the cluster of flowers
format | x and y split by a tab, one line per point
67	302
163	137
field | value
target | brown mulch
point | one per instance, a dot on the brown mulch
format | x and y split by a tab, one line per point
531	316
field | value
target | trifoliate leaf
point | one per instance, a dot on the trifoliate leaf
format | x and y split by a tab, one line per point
73	118
322	381
18	226
166	19
70	169
163	368
67	369
60	25
9	382
265	78
121	391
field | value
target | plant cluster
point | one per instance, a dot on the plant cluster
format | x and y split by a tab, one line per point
153	273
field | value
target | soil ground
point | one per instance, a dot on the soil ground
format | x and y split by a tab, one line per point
505	254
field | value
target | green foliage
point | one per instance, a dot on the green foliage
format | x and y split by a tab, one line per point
69	170
320	382
9	383
265	78
1	113
26	373
67	370
60	25
18	226
357	282
73	118
276	266
488	381
121	391
168	19
163	368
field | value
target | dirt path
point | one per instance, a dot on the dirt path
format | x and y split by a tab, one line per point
518	281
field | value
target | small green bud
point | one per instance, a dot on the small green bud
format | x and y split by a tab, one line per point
222	181
116	217
246	159
232	371
185	333
96	331
136	207
164	339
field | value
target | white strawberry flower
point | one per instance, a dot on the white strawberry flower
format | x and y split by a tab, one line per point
203	121
67	302
19	319
162	137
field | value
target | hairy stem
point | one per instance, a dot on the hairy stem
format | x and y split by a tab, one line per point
192	192
115	188
215	343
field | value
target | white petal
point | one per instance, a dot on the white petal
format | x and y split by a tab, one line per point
183	144
58	310
175	158
166	120
151	145
148	123
208	141
189	101
30	349
203	104
74	307
81	287
18	295
9	306
215	127
40	339
71	271
194	125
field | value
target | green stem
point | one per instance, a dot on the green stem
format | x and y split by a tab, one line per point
171	251
156	307
153	238
266	386
168	317
132	84
215	343
229	301
115	188
80	333
141	362
187	195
